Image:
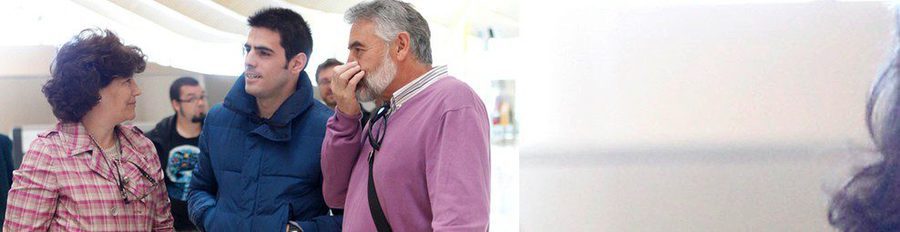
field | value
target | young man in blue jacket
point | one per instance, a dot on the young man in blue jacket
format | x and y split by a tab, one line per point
259	165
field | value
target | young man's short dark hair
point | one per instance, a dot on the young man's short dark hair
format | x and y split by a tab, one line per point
175	88
330	62
294	31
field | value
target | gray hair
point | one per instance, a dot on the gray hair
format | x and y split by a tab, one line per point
392	17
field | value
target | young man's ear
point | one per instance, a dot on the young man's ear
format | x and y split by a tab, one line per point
298	63
400	49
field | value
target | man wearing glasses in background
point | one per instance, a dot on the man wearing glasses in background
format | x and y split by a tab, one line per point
175	138
423	162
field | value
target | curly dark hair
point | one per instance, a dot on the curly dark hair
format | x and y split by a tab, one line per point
83	66
870	201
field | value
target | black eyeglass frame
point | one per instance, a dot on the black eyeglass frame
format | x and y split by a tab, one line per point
119	180
193	99
376	139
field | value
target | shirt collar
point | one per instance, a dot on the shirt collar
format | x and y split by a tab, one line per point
416	86
76	139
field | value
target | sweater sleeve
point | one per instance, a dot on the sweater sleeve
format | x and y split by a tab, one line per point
340	150
458	172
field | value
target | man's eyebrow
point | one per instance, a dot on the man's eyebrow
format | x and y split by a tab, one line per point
354	44
264	48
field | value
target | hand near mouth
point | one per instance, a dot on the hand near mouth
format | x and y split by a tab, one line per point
344	87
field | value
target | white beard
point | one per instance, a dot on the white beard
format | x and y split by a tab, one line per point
378	81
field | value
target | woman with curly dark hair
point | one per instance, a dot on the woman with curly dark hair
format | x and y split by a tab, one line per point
90	173
870	201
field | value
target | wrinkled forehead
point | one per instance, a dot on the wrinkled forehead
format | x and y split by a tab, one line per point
362	32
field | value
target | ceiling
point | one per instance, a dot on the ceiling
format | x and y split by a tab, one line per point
205	36
188	17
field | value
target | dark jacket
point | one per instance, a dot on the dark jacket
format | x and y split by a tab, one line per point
163	137
161	133
255	174
5	173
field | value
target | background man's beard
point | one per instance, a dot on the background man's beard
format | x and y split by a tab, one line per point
199	118
377	81
194	119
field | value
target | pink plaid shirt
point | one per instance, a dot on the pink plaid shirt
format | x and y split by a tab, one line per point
65	184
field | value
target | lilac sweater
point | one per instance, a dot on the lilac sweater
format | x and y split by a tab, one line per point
433	170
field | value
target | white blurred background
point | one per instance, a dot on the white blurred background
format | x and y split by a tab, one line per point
643	115
693	116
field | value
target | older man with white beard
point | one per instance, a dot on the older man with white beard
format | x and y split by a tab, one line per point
422	163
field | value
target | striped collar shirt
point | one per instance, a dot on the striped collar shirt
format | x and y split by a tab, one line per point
416	86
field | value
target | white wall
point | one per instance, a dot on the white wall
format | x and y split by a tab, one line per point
23	103
24	70
692	117
716	74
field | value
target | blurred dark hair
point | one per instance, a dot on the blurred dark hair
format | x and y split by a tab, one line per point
83	66
175	88
330	62
870	201
294	32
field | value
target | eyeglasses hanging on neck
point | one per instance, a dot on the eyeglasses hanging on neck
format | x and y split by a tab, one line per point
382	114
375	140
120	181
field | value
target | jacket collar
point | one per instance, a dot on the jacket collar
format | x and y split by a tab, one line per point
74	137
277	128
77	142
